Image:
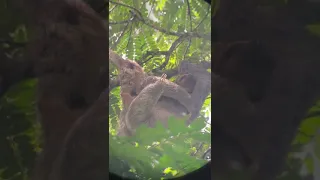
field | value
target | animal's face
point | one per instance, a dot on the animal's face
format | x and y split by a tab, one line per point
129	70
130	76
131	65
126	76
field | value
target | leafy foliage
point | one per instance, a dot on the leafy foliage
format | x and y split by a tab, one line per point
159	152
134	38
19	139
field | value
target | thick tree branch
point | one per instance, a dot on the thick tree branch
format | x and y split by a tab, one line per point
150	54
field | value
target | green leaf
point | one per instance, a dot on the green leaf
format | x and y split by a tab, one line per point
171	171
198	124
202	137
160	4
177	126
152	134
166	161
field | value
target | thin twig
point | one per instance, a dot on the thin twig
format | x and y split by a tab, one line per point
151	9
121	35
174	45
167	54
185	52
113	8
122	22
189	13
203	18
197	149
143	4
152	54
133	8
130	32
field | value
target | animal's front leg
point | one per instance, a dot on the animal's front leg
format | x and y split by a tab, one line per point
142	106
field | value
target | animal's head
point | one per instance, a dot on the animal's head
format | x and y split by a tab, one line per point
124	64
130	72
131	67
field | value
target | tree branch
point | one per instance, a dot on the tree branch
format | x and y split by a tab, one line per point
167	54
189	13
122	22
185	52
209	7
139	17
174	45
152	54
119	38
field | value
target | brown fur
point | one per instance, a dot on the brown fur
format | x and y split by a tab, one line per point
126	101
146	108
197	80
142	106
133	80
187	81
